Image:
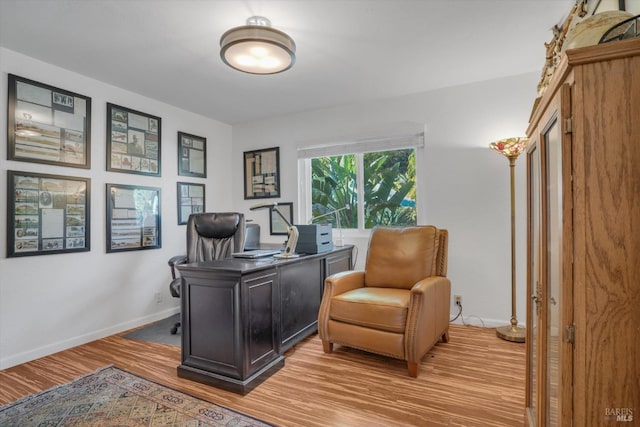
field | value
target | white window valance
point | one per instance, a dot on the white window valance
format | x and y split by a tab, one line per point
363	146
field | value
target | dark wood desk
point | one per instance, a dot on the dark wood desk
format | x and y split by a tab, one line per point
239	316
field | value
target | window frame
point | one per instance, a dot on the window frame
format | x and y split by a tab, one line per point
357	149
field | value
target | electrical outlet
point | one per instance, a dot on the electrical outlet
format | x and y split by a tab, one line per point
158	297
458	299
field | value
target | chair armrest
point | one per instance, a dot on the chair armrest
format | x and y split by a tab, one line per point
336	284
175	287
428	316
433	281
342	282
176	260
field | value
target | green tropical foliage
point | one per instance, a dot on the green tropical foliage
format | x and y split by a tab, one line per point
333	187
389	188
388	181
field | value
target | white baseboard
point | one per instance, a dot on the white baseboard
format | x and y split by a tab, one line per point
52	348
472	320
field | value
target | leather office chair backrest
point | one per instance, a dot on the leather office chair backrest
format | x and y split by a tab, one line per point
400	257
214	235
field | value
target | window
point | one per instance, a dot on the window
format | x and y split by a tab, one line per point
366	188
389	188
334	186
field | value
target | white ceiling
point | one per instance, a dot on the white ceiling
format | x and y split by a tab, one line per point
348	51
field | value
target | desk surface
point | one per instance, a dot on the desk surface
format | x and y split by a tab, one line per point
244	265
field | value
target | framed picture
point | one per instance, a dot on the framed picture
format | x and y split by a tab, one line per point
133	141
192	155
276	224
48	125
190	200
133	218
47	214
262	173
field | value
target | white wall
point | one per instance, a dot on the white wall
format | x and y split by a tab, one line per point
464	185
52	302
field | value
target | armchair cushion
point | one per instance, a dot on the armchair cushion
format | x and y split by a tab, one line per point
376	308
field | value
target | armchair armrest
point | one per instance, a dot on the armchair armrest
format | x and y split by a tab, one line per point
336	284
342	282
428	305
424	285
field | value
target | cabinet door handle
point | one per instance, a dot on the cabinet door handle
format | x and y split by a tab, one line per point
537	298
570	334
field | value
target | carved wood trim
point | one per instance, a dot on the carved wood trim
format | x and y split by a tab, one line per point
554	47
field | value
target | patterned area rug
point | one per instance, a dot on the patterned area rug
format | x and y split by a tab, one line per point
113	397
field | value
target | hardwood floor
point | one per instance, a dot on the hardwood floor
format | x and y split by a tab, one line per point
474	380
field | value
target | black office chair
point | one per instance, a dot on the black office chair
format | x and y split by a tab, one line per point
210	236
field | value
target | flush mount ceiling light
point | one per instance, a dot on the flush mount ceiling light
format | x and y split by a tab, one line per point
256	48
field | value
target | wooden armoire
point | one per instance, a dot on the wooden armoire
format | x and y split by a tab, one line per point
583	241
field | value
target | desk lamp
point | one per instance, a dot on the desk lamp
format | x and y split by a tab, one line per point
292	231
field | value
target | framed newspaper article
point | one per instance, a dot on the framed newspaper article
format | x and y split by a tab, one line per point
192	155
190	200
133	141
133	218
47	214
47	124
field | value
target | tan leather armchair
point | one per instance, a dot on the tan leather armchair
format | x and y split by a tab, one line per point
399	305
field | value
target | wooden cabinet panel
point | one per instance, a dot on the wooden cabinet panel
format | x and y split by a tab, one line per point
300	295
216	307
239	316
258	308
595	194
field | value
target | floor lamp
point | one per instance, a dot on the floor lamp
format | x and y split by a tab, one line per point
511	149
